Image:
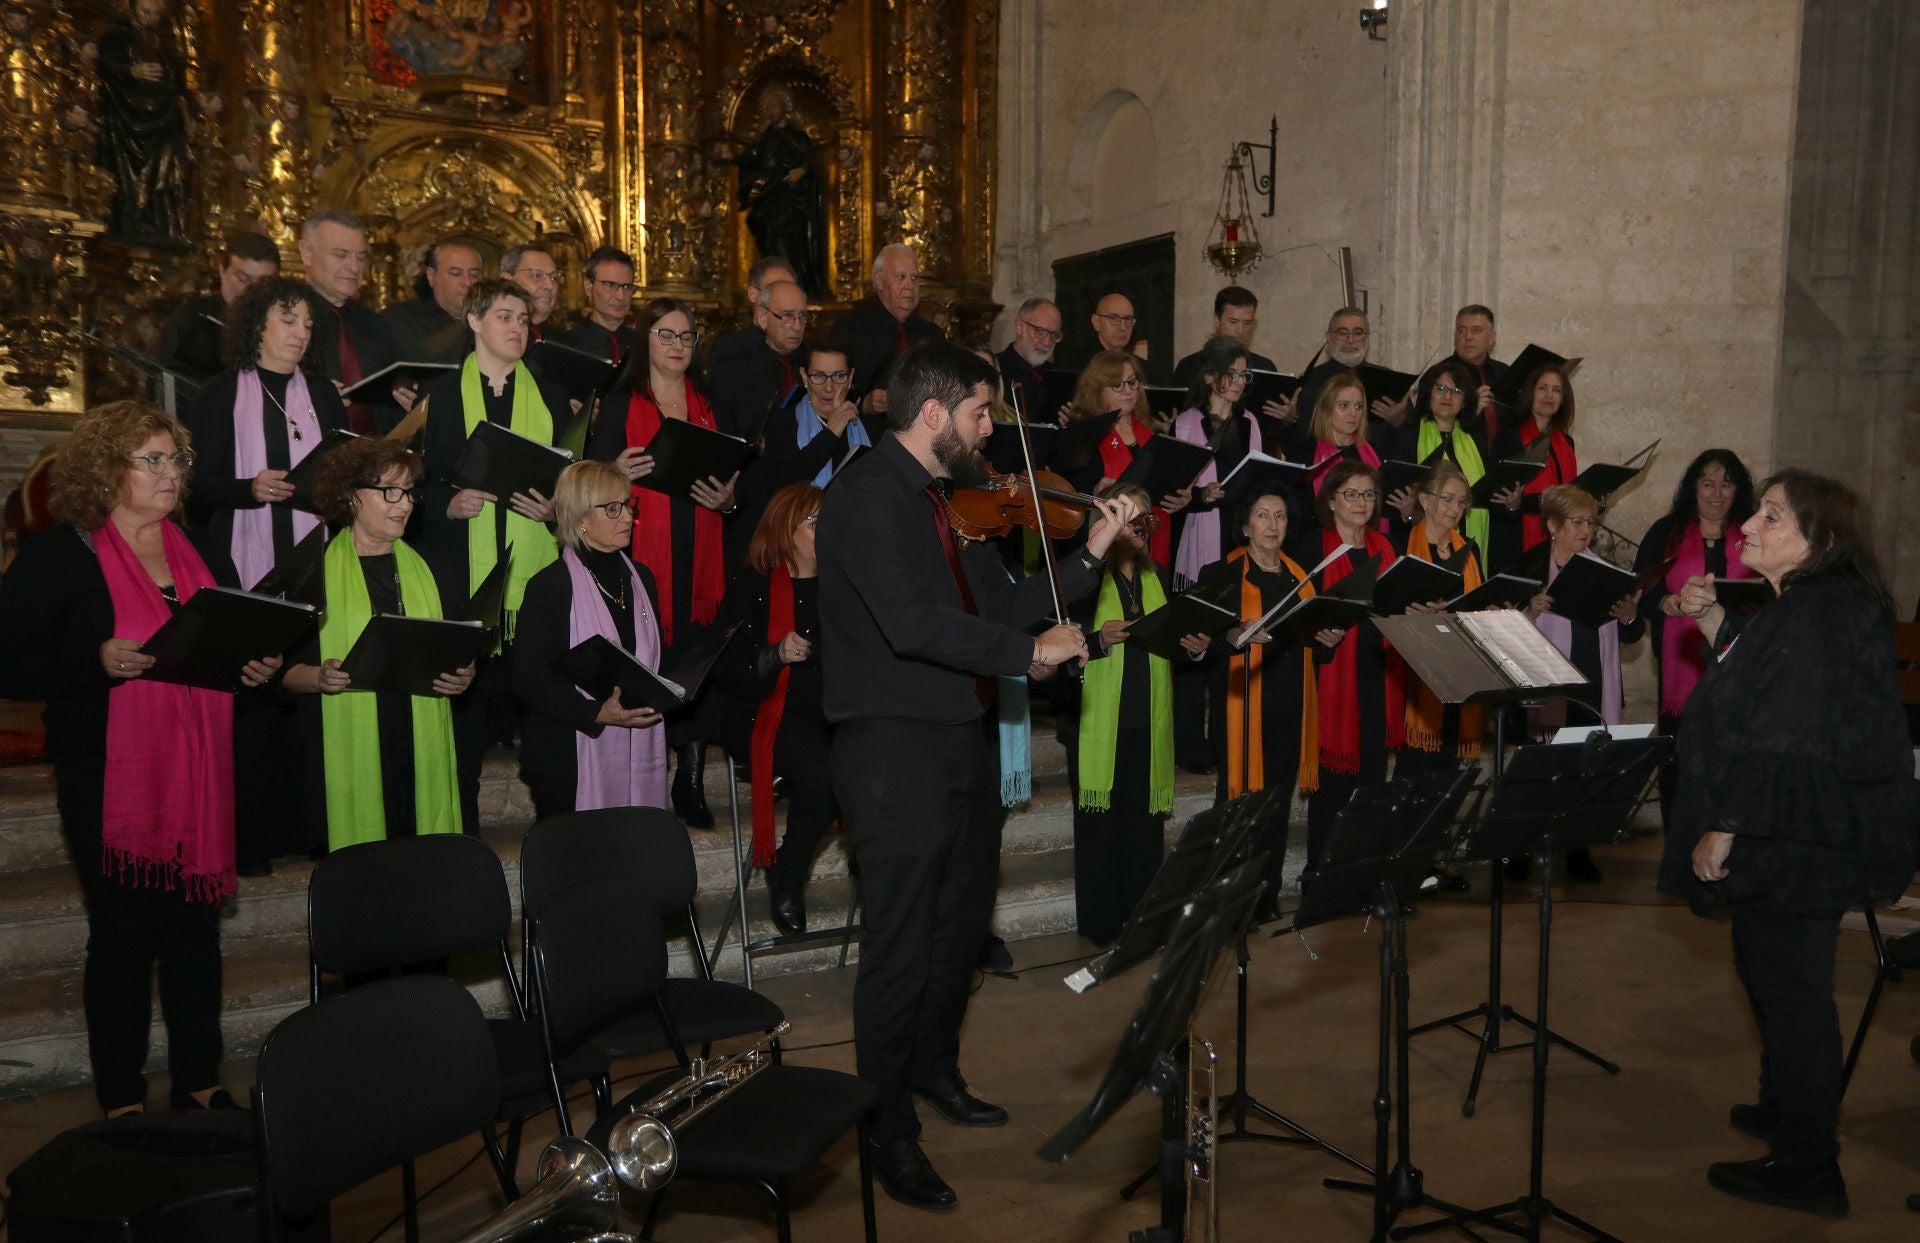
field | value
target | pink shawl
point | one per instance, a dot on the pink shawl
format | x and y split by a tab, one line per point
252	545
1200	537
1550	718
1324	449
1683	650
622	767
167	815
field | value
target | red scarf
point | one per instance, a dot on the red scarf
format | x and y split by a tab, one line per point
1339	677
653	524
1115	456
1683	652
766	722
167	813
1561	468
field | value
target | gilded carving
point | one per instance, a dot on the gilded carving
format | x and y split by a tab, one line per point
917	181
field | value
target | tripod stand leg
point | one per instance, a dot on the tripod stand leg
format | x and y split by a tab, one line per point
1612	1068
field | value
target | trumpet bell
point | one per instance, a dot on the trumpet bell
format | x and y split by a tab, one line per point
576	1193
643	1153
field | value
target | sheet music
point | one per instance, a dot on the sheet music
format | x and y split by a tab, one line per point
1241	637
1526	656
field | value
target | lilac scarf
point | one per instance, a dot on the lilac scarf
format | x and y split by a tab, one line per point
1550	718
622	767
1200	537
252	545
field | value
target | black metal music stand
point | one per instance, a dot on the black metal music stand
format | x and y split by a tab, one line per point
1553	798
1383	849
1153	1047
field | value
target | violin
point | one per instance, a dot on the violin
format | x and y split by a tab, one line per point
1003	502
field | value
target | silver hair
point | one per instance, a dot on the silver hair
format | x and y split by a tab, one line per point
330	215
765	300
1031	305
892	248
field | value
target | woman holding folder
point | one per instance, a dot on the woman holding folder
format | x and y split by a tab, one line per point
678	538
1111	383
143	770
1214	417
1441	736
578	753
1546	398
385	761
1436	428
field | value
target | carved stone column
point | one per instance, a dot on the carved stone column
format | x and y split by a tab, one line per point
1446	69
671	88
916	200
274	131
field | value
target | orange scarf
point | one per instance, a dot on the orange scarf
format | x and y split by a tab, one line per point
1243	696
1426	715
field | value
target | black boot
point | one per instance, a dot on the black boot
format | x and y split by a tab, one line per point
786	894
689	787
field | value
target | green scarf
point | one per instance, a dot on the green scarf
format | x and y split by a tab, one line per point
349	722
1100	707
530	545
1467	455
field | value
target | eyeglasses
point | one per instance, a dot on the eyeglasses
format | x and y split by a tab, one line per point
538	276
829	377
1354	496
157	463
797	319
393	494
1454	500
1126	386
1044	334
1119	321
1448	390
616	286
667	336
613	509
1234	375
1350	334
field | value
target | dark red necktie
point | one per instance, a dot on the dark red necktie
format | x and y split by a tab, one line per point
613	339
534	333
786	377
1488	412
359	413
943	528
900	338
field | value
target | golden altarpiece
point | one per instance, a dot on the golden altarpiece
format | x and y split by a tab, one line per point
136	135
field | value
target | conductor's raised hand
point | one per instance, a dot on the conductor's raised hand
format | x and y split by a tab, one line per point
530	504
122	658
711	493
455	683
635	461
1115	514
1057	645
260	672
468	502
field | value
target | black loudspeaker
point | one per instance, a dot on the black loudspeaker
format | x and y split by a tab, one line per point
141	1178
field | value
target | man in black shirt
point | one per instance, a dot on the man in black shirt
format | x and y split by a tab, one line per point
432	327
190	342
880	330
1023	364
1348	336
752	382
353	342
608	278
765	271
1235	311
1473	341
909	625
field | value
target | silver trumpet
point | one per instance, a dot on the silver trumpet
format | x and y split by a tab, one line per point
641	1146
1203	1142
577	1198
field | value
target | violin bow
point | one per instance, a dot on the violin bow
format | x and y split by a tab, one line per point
1033	486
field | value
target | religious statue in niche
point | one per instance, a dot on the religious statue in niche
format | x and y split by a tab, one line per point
412	39
142	128
781	193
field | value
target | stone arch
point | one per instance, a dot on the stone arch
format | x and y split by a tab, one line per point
1111	171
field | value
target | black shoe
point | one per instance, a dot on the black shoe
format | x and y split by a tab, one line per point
788	900
906	1175
1819	1189
689	787
221	1099
1580	866
1756	1121
952	1101
1904	951
995	956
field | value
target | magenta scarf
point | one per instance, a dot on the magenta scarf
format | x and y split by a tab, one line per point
1324	449
1200	536
622	767
166	818
252	545
1683	650
1550	718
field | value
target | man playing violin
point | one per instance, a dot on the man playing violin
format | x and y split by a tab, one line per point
913	629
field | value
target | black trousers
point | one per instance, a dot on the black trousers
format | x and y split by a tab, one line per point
803	760
269	768
1787	968
129	931
1670	771
1117	851
1191	746
923	808
487	713
1336	789
1280	770
552	795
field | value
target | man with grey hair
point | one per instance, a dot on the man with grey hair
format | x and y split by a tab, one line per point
432	327
1023	364
354	342
1348	335
760	379
880	330
742	340
533	268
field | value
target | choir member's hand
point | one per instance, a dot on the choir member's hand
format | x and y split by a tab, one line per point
455	683
1114	516
1670	604
875	402
339	387
1065	416
122	658
1278	410
404	395
270	486
467	503
260	672
1113	632
1174	502
1041	673
530	504
1330	637
1697	595
1406	503
1538	605
1485	396
1057	645
329	678
1194	645
611	713
635	462
1393	412
1626	610
1213	493
1431	606
1265	636
1710	855
710	493
1511	497
795	648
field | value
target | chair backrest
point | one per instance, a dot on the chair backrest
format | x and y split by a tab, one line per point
596	953
646	845
382	905
366	1081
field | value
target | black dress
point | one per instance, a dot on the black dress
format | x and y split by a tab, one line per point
1654	550
1370	690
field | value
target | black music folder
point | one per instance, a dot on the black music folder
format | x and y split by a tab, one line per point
1507	472
398	655
1587	588
300	576
580	372
1264	386
209	639
685	453
1601	480
1075	445
303	472
1410	581
1347	603
1384	382
1207	608
1164	465
488	604
1501	591
1057	390
597	665
1493	657
502	461
1257	469
1742	595
1396	474
406	374
1166	401
1521	368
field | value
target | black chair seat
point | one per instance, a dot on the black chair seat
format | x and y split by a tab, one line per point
705	1010
523	1062
776	1125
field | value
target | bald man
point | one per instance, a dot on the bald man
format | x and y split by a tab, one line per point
433	327
886	326
750	383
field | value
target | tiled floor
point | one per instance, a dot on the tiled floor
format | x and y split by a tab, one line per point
1646	984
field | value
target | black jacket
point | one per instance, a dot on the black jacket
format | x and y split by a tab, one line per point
216	493
423	333
191	341
373	343
872	336
746	384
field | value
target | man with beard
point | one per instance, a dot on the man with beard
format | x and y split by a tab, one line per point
915	627
1023	364
1346	351
432	328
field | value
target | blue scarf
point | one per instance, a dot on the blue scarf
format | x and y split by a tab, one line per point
808	425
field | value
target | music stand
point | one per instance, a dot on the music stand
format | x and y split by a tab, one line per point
1384	846
1554	798
1147	1055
